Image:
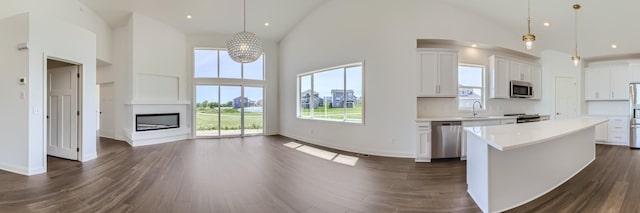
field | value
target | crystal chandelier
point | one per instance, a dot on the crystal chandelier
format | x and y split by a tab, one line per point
244	47
528	38
575	58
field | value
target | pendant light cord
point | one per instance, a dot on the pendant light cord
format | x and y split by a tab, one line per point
529	17
244	15
576	30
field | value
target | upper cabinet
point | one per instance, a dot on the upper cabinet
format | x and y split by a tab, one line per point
503	69
607	83
437	73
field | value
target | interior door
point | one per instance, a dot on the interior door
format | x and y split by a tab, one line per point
566	98
107	124
62	118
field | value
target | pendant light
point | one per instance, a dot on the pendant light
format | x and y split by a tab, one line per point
244	47
575	58
528	38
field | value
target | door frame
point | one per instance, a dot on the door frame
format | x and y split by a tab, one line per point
555	95
45	107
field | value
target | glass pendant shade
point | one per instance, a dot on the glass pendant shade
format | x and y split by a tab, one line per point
576	60
528	41
244	47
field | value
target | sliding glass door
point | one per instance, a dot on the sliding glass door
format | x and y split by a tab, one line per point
227	110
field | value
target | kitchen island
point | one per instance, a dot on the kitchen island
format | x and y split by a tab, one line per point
510	165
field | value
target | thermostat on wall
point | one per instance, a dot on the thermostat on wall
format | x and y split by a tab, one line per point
22	81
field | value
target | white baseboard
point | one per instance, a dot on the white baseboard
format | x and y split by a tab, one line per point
351	149
14	169
89	157
36	171
145	142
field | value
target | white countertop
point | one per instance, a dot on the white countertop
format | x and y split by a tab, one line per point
506	137
470	118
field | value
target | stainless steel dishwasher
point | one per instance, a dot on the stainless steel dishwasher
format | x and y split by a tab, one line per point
446	139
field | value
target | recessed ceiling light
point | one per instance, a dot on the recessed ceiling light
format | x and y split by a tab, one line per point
546	24
614	46
189	17
267	24
474	45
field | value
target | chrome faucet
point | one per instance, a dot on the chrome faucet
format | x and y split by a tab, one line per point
474	108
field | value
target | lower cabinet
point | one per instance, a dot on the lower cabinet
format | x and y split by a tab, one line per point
423	144
614	132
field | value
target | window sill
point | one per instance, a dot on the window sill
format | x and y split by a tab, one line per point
334	121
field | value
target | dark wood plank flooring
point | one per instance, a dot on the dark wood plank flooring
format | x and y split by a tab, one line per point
259	174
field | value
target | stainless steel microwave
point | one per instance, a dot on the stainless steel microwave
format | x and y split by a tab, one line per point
521	89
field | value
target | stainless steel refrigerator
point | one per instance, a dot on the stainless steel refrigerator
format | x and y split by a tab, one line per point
634	106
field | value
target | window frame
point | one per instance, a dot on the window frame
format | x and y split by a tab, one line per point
219	82
484	89
344	68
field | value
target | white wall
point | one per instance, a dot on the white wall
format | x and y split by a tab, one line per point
556	64
25	146
14	110
270	49
70	11
55	39
159	61
384	35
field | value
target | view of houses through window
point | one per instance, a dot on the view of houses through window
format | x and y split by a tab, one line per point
229	95
470	86
334	94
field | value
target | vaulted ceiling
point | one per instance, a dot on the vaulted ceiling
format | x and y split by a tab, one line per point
600	23
210	16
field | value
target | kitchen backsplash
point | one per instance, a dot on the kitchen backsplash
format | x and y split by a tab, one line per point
448	107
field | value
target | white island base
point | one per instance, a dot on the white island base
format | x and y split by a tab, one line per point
510	165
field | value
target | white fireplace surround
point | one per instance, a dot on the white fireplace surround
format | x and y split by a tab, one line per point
143	138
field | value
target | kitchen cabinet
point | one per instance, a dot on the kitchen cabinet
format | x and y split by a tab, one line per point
607	83
602	131
536	80
423	146
635	72
437	73
520	71
502	70
613	132
618	131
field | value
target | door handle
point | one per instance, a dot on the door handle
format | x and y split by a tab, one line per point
557	113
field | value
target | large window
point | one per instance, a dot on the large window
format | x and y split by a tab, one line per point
229	96
470	86
333	94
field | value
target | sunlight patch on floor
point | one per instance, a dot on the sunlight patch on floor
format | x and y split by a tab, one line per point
317	152
332	156
292	145
346	160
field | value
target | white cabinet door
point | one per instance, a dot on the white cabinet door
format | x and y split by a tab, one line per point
536	80
427	73
448	73
601	132
590	84
514	70
423	142
499	77
596	84
635	72
619	83
520	71
437	74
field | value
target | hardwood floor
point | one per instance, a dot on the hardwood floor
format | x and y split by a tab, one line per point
259	174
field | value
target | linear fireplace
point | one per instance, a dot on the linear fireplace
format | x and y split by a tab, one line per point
148	122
